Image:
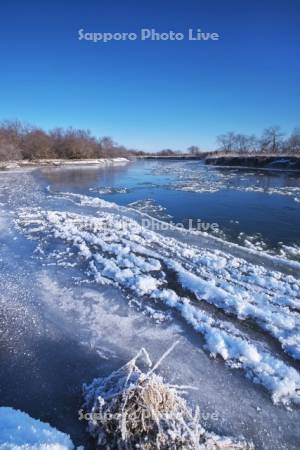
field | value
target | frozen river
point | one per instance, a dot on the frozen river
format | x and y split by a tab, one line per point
84	286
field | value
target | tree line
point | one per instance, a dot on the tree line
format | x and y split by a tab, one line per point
19	141
272	141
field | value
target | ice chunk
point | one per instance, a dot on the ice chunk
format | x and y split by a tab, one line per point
19	431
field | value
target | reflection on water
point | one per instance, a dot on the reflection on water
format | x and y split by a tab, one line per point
81	177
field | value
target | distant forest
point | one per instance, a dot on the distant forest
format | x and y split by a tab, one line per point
273	141
19	141
25	142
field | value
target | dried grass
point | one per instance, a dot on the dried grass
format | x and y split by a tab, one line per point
136	410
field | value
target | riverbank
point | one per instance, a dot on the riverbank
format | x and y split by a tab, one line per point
12	165
175	157
286	162
281	162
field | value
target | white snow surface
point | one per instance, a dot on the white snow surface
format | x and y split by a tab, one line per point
199	284
19	431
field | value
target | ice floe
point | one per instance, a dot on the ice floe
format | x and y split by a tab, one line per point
200	178
105	190
151	207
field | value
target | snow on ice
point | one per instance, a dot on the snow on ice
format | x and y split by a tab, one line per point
19	431
112	248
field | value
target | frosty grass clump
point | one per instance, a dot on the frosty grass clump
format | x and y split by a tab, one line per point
132	409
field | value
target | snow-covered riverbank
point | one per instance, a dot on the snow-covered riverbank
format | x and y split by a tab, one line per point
101	162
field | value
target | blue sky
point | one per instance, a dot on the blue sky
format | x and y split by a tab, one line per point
145	94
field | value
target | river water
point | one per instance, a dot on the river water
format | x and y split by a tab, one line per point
255	208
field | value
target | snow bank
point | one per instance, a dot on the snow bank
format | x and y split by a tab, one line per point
19	431
10	165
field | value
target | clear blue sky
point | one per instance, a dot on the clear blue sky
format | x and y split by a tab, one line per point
152	95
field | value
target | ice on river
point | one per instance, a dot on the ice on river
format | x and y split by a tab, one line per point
92	271
207	179
113	249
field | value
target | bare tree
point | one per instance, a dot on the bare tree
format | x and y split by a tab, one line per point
244	143
272	140
227	142
106	145
166	152
194	150
74	144
36	144
293	143
9	151
11	133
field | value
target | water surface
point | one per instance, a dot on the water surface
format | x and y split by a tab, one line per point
256	208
